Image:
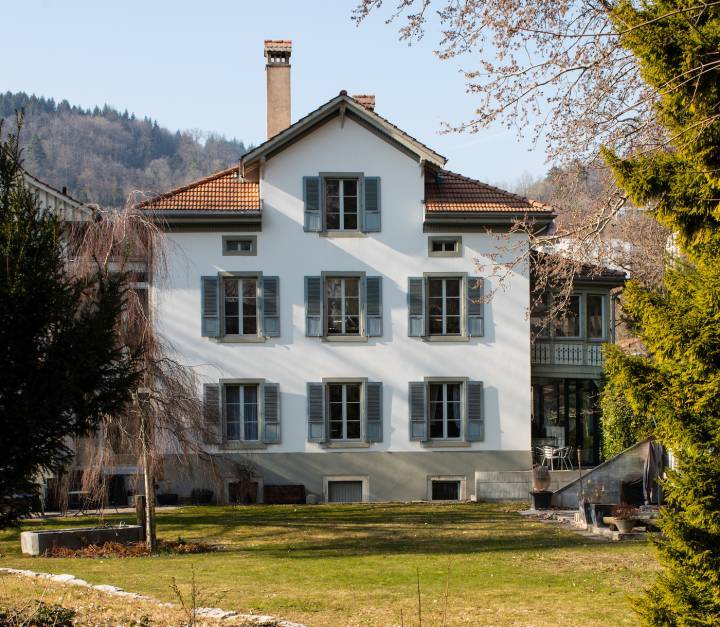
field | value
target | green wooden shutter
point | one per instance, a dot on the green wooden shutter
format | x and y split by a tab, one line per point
371	222
313	306
271	306
374	412
316	412
373	306
210	306
474	306
475	427
212	413
418	411
416	306
271	413
311	197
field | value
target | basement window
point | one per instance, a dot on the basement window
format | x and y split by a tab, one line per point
239	245
445	246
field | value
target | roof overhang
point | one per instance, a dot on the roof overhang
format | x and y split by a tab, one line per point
343	106
485	220
189	220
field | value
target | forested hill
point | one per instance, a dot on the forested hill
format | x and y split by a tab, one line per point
101	154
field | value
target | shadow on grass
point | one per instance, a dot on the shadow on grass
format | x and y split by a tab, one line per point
359	530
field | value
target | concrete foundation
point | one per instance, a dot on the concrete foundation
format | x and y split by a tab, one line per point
38	542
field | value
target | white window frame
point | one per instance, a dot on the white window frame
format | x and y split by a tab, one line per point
343	304
226	239
461	309
361	403
240	278
241	414
456	250
341	200
463	410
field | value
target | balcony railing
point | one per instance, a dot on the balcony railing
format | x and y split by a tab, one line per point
567	354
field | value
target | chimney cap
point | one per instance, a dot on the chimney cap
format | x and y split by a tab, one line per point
278	45
366	100
343	92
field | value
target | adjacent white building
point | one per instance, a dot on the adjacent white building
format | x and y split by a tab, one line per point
331	290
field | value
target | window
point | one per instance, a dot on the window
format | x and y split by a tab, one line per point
594	316
445	410
343	308
239	245
445	491
444	306
445	246
341	204
241	413
343	305
344	410
569	324
240	306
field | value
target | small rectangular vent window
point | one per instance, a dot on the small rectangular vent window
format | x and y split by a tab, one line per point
445	246
445	491
246	245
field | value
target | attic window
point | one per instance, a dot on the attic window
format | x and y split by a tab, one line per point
239	245
445	246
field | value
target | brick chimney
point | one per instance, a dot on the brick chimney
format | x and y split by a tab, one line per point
366	100
277	68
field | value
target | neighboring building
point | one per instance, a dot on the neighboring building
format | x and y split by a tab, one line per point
69	209
328	292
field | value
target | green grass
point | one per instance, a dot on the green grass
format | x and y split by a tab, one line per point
357	564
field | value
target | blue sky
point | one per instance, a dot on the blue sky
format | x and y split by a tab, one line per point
199	65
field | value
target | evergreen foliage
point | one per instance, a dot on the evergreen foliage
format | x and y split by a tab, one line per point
62	366
678	385
102	155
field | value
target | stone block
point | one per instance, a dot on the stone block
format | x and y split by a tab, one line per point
38	542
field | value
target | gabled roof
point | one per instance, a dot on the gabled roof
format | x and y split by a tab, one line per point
344	105
222	191
447	191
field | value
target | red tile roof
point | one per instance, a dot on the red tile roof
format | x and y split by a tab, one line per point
448	191
222	191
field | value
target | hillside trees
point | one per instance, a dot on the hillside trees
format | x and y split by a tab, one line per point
62	365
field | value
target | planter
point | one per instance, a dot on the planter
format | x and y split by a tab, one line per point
541	479
624	525
599	511
541	499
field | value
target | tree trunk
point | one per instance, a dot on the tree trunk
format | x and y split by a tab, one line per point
149	490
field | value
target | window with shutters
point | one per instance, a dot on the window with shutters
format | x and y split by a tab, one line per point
445	307
446	410
240	306
342	296
242	412
341	203
343	307
345	412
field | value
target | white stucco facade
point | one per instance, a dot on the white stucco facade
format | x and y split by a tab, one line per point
500	359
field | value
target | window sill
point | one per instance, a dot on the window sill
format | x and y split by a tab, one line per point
240	339
446	444
242	446
347	445
341	234
345	338
446	338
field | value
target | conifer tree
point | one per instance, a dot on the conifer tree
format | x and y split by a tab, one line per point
678	384
62	366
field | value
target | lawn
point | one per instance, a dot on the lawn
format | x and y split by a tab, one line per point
358	565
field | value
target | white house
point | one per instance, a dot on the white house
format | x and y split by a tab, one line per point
327	289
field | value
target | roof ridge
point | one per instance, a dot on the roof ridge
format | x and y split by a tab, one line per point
187	186
531	201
